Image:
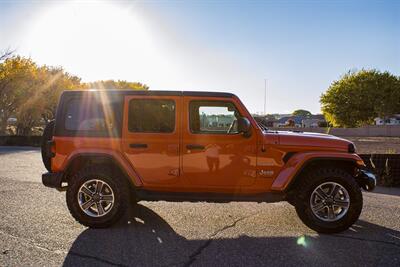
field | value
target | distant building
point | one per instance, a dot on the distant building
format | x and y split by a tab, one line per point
278	120
392	120
12	121
216	121
314	121
291	121
310	123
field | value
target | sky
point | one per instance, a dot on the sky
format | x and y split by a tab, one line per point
298	47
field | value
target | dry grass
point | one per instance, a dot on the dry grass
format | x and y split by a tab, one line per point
376	145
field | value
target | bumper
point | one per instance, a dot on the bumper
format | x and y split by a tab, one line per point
366	179
53	180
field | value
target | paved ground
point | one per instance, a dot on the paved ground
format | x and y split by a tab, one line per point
36	229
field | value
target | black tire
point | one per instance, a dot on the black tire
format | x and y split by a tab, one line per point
310	181
118	185
47	136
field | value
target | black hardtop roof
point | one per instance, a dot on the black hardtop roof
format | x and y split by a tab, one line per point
151	92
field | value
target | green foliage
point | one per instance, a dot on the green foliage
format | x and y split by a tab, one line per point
302	112
120	84
53	80
359	97
30	92
18	77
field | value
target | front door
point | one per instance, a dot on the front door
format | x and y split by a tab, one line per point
151	138
214	153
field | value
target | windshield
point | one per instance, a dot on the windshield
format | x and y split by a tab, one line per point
262	126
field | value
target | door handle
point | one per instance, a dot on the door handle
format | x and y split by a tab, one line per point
191	147
138	145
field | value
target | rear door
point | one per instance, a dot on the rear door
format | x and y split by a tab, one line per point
151	138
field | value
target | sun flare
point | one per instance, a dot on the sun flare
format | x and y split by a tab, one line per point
94	36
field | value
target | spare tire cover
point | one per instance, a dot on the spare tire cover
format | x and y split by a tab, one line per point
47	136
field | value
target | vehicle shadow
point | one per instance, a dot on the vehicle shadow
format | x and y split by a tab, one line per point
143	238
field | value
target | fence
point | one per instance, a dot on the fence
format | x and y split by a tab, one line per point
385	166
14	140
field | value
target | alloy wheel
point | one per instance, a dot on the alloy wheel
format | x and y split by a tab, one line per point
330	201
96	198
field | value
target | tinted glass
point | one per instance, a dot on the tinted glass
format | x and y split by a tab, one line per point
213	117
148	115
84	116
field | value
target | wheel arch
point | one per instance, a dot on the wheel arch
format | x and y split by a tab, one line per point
81	160
348	164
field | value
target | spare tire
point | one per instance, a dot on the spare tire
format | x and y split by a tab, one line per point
47	136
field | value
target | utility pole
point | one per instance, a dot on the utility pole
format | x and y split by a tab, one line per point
265	96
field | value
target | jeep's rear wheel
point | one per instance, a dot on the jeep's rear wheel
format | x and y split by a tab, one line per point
328	200
95	198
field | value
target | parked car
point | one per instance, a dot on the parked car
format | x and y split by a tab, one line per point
110	148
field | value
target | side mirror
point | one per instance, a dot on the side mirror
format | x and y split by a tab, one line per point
244	126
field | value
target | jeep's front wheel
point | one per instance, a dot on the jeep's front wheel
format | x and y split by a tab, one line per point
329	200
95	198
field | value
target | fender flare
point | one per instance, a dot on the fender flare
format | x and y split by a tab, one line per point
123	166
298	162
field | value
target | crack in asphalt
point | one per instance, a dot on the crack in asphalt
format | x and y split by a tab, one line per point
192	257
13	190
200	249
32	243
368	240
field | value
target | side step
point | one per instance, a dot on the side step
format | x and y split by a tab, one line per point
147	195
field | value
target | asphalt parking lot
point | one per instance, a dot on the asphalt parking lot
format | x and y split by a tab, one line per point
36	229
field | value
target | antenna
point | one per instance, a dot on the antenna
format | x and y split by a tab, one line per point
265	96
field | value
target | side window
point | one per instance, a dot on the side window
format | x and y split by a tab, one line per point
213	117
151	116
84	116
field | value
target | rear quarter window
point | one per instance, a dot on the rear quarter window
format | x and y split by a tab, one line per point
81	117
90	114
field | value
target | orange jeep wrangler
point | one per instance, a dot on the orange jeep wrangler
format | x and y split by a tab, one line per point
110	148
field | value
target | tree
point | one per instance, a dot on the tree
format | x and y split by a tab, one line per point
360	96
302	113
41	105
31	92
17	78
290	123
54	80
120	84
6	54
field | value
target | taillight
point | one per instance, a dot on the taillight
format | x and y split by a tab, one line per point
51	148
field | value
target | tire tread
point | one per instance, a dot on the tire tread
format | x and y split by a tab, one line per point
317	176
120	202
